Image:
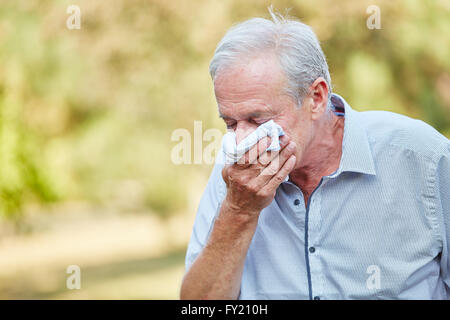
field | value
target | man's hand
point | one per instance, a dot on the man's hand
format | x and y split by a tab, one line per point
252	181
251	184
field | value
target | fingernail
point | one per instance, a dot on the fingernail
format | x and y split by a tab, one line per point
291	146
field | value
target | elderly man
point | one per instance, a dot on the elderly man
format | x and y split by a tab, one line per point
355	205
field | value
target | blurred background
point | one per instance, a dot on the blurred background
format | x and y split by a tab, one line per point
87	117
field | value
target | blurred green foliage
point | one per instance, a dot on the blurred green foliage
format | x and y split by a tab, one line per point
87	115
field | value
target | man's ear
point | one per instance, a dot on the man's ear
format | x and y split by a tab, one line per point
318	92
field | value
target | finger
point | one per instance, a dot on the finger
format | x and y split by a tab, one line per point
265	159
268	172
280	176
271	170
284	140
252	155
268	156
225	173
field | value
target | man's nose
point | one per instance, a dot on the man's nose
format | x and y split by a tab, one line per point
243	129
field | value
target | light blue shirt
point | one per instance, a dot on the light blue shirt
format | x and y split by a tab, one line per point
377	228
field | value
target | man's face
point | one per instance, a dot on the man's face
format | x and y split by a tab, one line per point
250	94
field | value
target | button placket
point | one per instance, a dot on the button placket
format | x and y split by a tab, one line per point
314	238
296	204
315	216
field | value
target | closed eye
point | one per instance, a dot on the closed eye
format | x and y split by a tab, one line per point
230	125
260	122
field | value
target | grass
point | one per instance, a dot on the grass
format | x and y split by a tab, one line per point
120	257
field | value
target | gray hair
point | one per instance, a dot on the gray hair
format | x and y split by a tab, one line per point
293	42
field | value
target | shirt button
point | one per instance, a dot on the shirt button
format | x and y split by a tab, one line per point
312	249
316	298
296	202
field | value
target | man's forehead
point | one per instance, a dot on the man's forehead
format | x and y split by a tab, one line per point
249	91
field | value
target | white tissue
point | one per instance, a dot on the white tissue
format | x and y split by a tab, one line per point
234	152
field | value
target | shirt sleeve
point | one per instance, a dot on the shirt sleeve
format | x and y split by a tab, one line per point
443	196
208	208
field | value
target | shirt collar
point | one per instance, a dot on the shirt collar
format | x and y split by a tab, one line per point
356	152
